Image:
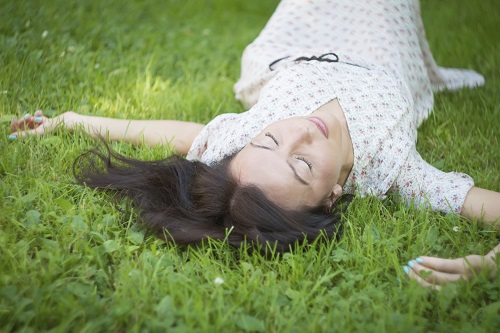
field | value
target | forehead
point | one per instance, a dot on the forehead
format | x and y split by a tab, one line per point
282	123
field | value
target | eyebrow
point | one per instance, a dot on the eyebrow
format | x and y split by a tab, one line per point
297	176
259	146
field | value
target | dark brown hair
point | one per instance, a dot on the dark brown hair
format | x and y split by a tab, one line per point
188	201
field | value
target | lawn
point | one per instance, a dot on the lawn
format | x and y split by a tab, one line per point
71	259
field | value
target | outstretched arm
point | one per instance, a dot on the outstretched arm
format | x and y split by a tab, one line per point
180	134
445	191
483	205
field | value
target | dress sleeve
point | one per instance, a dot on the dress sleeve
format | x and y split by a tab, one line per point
426	186
217	139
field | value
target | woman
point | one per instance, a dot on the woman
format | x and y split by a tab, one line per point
335	100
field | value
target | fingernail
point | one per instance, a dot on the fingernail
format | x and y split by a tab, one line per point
13	120
12	137
419	260
26	115
410	263
406	269
38	119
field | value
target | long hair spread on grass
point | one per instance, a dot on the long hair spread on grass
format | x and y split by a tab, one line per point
188	201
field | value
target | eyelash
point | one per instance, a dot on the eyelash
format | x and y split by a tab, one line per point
309	164
273	138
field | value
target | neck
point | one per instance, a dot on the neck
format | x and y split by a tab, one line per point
347	149
348	154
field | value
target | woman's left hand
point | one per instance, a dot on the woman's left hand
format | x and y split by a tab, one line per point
433	272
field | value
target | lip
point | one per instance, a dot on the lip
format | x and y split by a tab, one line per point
320	124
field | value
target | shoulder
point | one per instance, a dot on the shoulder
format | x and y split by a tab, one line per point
209	133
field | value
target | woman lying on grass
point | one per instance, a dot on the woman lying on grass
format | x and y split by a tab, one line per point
335	91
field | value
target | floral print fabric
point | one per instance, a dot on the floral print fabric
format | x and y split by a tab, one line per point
384	81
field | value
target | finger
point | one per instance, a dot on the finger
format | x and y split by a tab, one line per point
414	276
29	122
23	134
17	124
20	124
434	276
47	126
455	266
13	126
38	117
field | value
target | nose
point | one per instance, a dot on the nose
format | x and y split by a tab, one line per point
301	135
297	140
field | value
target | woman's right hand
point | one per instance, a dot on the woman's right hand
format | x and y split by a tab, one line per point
38	124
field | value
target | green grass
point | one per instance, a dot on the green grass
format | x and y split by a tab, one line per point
71	261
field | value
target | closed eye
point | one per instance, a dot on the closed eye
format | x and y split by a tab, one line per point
297	176
268	134
309	164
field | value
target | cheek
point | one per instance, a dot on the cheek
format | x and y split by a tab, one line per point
326	160
328	169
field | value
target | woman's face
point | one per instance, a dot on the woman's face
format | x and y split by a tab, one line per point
293	161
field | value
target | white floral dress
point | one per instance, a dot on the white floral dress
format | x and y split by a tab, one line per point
381	72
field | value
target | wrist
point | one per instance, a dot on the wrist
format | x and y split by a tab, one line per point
71	119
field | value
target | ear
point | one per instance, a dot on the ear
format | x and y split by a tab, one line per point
334	195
